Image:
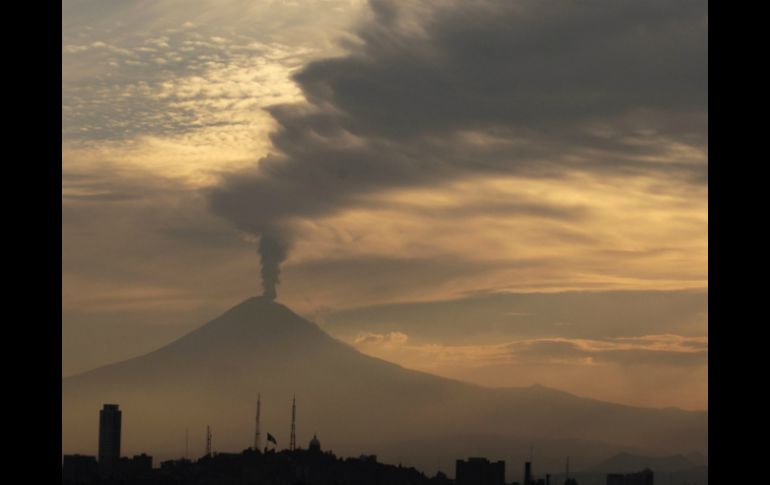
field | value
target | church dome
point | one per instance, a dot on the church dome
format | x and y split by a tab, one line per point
314	445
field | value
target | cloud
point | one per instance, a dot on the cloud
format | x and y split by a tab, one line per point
620	370
140	89
201	87
161	234
392	338
656	320
445	149
433	92
370	277
655	350
456	65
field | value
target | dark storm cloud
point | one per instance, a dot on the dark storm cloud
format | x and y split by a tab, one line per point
432	92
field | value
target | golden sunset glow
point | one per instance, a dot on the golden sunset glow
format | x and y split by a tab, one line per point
189	130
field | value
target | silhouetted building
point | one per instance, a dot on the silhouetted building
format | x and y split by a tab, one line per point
441	479
139	465
273	468
314	445
571	481
109	436
82	467
479	471
644	477
528	473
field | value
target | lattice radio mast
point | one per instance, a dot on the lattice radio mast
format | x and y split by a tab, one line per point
257	437
293	438
208	440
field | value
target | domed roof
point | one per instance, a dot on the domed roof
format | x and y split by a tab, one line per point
314	444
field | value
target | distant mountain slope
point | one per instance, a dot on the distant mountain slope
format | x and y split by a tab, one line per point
627	463
689	468
354	402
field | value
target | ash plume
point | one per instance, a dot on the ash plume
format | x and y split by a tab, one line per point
623	83
272	251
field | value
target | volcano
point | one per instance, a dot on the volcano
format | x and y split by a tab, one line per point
354	403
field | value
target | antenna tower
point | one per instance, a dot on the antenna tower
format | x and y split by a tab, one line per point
293	438
257	437
567	468
187	443
208	440
531	463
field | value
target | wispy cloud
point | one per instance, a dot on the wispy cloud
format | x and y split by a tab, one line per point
655	370
645	350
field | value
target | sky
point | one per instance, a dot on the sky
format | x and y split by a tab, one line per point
503	192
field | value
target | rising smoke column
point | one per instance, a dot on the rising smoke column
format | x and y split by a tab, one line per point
272	252
411	107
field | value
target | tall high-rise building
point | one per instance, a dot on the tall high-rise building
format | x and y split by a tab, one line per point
109	436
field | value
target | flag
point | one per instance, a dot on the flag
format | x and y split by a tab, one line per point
271	438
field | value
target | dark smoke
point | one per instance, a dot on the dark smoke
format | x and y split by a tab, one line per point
272	251
609	88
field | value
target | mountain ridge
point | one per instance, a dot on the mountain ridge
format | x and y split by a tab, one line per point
213	374
248	306
625	462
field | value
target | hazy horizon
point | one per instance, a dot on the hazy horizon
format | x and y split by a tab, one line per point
373	331
354	403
